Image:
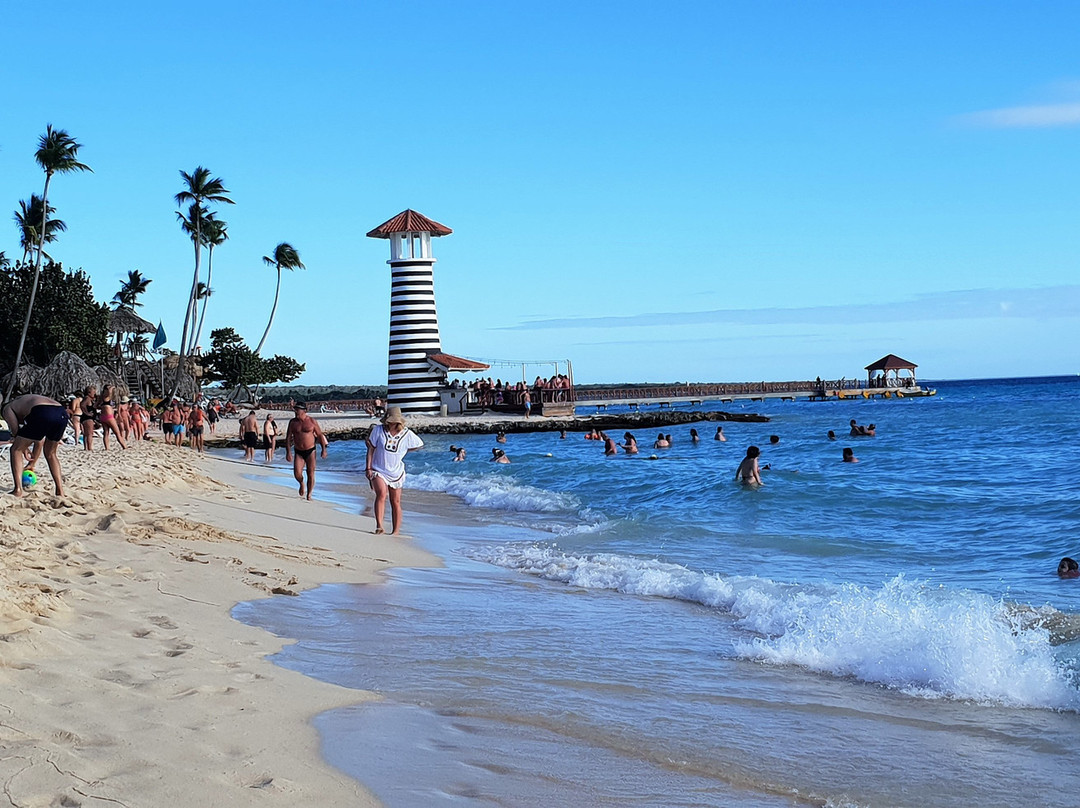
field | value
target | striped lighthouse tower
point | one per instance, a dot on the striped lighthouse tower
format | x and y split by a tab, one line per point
414	325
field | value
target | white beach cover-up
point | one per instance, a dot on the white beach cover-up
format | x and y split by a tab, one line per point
388	459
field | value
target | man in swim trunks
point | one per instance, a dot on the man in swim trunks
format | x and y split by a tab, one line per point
302	435
33	418
195	421
249	434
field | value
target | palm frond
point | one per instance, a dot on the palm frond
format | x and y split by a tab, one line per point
58	152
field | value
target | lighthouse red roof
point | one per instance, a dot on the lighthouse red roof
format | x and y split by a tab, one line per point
448	362
409	221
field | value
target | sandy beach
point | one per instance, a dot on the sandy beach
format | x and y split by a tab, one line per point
125	680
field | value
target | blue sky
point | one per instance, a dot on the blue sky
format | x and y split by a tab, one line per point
704	191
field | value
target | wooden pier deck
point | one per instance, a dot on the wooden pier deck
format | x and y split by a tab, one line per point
668	395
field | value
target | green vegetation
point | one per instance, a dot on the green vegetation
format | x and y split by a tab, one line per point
235	365
57	153
285	257
199	190
65	316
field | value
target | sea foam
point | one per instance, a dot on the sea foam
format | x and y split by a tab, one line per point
516	505
925	640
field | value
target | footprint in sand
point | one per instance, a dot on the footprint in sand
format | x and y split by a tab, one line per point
161	621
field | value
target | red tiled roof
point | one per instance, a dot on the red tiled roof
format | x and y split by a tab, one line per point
891	362
451	362
409	221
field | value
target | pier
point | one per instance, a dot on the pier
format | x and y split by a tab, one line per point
666	396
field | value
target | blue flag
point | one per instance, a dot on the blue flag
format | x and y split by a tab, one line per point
159	338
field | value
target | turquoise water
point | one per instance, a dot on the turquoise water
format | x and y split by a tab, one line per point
613	631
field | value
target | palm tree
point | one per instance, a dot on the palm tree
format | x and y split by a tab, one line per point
28	217
216	233
57	153
200	188
285	257
130	290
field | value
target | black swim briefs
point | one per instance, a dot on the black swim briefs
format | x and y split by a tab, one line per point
46	421
251	440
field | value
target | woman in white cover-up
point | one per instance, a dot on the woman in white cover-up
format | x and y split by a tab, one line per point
387	446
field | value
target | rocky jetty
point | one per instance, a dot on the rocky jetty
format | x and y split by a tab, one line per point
357	428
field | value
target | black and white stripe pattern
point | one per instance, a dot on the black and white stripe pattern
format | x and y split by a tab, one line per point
414	333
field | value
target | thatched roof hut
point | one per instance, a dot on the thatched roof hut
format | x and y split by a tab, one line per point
123	320
27	380
108	376
66	374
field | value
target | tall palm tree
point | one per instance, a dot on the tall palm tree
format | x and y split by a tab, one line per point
202	292
58	153
215	234
199	189
28	217
130	290
285	257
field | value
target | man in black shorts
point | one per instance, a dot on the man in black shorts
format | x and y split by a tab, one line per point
249	434
31	419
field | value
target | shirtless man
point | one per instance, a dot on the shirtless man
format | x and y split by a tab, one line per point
748	472
31	419
196	424
302	435
249	434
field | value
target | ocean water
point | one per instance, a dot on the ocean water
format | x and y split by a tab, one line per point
636	631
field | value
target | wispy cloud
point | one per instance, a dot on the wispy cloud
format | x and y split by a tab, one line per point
967	304
1033	117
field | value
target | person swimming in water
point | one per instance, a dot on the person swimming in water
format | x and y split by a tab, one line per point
748	472
499	456
849	455
1068	568
459	453
630	444
720	436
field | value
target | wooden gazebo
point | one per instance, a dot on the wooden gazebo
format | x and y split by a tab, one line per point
886	372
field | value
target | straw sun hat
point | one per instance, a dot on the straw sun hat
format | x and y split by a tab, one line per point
394	416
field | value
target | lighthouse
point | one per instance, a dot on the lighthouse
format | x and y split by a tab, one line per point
413	382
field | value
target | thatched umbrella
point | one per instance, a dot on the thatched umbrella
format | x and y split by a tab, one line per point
27	380
123	320
108	376
67	373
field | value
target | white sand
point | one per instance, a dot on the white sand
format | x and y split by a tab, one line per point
123	680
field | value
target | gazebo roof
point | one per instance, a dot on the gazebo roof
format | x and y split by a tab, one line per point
123	320
409	221
448	362
891	362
